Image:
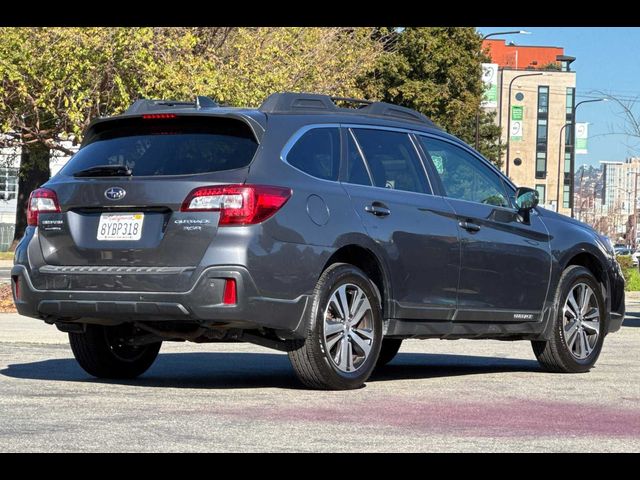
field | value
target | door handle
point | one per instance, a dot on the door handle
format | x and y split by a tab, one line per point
378	209
469	226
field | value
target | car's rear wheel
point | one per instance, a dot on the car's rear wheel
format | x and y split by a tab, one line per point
344	332
105	352
579	327
389	350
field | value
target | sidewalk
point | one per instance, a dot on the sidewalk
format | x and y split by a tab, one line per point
6	263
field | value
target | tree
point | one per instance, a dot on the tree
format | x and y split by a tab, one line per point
437	71
53	81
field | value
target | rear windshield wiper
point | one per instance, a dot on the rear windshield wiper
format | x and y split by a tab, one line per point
105	171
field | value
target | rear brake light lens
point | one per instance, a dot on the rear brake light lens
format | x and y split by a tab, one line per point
158	116
237	204
41	200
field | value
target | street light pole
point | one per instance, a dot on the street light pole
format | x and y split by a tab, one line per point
573	146
510	32
559	162
634	226
509	114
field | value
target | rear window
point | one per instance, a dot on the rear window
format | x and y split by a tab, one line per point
181	146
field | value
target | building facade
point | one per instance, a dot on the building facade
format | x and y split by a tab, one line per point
535	100
620	198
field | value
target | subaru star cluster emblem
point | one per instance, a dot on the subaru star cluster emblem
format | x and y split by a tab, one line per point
115	193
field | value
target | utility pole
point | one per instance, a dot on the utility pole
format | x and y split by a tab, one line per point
573	146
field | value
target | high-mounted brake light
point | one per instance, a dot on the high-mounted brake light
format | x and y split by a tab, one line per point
158	116
237	204
41	200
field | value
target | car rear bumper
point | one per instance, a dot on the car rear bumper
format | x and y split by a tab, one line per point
203	303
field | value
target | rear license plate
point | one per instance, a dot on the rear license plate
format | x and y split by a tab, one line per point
120	226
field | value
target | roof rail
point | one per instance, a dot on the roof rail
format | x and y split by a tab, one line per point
290	102
145	105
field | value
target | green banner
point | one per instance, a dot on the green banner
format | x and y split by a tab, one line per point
517	116
582	134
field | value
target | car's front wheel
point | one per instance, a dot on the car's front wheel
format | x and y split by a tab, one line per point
105	352
344	331
579	327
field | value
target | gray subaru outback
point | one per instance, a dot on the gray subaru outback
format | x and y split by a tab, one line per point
328	228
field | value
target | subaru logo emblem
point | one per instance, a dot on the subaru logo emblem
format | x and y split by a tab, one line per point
115	193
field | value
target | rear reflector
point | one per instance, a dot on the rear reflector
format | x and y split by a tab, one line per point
41	200
229	296
16	286
158	116
237	204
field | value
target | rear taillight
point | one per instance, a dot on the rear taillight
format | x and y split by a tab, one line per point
237	204
41	200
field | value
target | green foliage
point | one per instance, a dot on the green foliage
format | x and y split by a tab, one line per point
625	262
555	66
632	278
437	71
631	273
55	80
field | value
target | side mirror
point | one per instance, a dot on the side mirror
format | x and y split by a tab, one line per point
526	200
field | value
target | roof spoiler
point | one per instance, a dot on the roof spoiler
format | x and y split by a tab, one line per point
145	105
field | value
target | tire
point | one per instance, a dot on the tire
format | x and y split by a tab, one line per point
565	351
340	361
388	351
100	353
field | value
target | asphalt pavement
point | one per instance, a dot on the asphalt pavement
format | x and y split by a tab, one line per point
437	395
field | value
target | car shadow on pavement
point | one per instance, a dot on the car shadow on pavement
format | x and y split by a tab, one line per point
260	370
632	320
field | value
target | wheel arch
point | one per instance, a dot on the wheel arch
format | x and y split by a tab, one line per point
367	261
591	262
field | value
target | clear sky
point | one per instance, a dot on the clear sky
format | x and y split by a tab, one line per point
607	59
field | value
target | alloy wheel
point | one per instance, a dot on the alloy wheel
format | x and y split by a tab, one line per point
348	327
581	321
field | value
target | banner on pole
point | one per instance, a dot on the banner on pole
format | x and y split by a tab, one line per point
517	117
490	81
582	134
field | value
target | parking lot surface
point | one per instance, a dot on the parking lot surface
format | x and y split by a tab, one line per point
436	395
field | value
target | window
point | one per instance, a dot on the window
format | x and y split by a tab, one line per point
570	100
180	146
317	152
541	165
541	192
542	131
463	176
543	100
565	196
356	170
8	183
567	166
392	160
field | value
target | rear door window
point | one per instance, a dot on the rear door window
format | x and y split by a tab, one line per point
180	146
356	170
392	160
317	153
